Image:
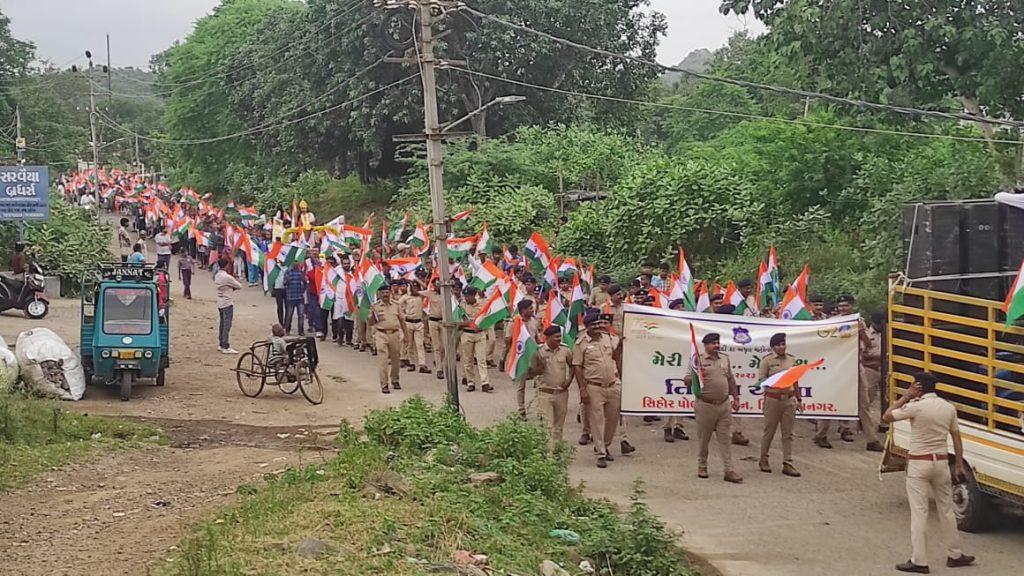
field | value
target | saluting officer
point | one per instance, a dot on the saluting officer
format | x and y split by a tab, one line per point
713	409
389	325
438	344
780	407
552	364
412	311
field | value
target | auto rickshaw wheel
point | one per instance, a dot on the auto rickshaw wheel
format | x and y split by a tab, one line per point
250	375
127	380
309	383
161	377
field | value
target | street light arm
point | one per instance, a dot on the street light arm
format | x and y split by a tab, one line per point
496	102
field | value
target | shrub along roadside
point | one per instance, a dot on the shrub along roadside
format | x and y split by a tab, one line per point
402	500
37	434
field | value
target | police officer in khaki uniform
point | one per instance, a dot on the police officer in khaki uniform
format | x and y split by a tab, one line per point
597	362
599	295
713	409
412	312
437	339
474	345
552	366
389	325
932	422
780	407
616	297
532	323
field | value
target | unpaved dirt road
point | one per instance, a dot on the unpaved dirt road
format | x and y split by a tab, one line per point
838	519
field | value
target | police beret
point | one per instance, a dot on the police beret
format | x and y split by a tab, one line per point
726	309
711	337
777	339
614	289
385	286
591	317
677	302
552	330
469	291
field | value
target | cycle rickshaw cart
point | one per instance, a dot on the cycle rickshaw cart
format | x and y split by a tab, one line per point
295	371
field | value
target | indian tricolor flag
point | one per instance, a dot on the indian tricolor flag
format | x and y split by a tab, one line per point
555	314
495	310
686	282
420	237
788	378
766	296
733	296
696	368
371	277
459	248
1014	305
402	266
794	305
272	268
703	298
398	231
483	243
523	347
485	275
462	216
538	253
201	238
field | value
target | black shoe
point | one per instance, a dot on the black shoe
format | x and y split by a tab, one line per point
823	442
385	390
487	388
440	375
464	382
602	463
471	388
584	439
626	447
909	566
373	352
411	368
963	560
668	436
875	447
608	456
396	385
846	436
680	434
425	370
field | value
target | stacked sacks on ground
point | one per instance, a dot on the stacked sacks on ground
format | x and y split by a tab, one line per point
8	365
48	367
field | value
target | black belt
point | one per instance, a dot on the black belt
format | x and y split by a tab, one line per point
413	321
468	331
432	319
381	330
552	390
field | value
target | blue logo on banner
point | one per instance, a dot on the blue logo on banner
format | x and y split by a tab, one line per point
24	193
741	335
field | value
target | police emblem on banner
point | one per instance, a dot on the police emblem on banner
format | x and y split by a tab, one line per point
741	335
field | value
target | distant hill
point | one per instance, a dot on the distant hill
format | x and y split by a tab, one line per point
696	61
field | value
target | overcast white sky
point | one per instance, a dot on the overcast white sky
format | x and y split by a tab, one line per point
63	29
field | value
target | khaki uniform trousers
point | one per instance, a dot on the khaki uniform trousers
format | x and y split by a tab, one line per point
672	422
605	402
554	405
521	394
414	350
923	475
714	419
389	347
361	330
437	344
474	351
779	412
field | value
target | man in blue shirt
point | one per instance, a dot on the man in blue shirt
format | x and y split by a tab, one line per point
295	297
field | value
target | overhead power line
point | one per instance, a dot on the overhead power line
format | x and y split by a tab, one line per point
958	116
110	122
727	113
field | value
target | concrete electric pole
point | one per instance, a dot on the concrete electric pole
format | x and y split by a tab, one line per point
19	142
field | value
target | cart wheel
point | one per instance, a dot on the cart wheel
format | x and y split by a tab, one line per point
285	381
127	379
249	373
310	385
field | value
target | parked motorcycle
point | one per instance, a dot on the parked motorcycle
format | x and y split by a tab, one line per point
26	294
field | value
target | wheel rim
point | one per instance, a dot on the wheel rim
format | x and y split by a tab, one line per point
312	389
961	499
36	308
249	373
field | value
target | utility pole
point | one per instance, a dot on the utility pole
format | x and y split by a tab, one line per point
92	122
435	167
110	83
19	142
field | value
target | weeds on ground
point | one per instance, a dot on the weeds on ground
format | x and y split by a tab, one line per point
401	497
37	434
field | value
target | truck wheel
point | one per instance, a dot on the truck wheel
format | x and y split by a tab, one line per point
161	377
127	379
973	507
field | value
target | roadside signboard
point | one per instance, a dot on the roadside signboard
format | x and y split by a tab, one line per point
24	193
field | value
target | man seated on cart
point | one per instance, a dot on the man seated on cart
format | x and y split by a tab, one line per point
278	347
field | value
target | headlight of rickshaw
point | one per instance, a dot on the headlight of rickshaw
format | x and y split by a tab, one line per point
105	354
148	353
138	354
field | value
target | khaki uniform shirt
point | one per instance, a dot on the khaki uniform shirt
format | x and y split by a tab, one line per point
874	348
557	373
718	379
772	365
752	309
598	297
472	309
618	317
387	315
596	359
435	310
412	307
931	421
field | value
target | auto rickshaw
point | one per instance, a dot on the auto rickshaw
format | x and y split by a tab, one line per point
125	334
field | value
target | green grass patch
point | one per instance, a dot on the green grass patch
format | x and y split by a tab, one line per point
398	500
37	434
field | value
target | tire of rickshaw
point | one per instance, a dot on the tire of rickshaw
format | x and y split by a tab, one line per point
310	385
249	374
127	379
161	377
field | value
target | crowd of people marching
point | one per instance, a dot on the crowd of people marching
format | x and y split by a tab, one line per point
537	316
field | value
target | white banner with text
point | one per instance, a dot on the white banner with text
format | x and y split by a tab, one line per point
656	354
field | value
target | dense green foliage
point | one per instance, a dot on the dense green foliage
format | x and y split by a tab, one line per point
401	502
37	434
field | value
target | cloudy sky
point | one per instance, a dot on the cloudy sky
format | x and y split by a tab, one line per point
63	29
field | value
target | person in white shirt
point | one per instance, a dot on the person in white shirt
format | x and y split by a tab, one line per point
226	286
163	247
